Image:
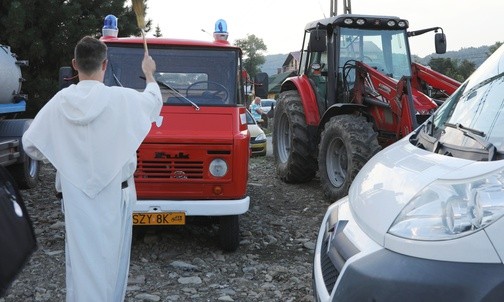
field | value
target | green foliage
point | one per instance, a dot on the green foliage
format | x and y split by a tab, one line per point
157	32
455	69
493	48
44	32
252	48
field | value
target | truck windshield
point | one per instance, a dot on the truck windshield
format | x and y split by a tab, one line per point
203	76
385	50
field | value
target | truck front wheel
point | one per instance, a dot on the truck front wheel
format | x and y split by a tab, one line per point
25	173
294	155
26	170
229	232
346	144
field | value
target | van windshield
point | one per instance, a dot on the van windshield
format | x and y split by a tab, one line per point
199	75
479	108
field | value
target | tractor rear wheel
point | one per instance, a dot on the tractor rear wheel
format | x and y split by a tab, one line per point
294	157
346	144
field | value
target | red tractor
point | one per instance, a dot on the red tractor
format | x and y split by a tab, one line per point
356	92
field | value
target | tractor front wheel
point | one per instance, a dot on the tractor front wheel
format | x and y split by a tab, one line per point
346	144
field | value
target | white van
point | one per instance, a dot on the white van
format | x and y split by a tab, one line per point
423	218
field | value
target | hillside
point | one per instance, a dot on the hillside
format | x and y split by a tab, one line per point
473	54
273	62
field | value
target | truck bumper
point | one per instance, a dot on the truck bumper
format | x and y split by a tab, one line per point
349	266
223	207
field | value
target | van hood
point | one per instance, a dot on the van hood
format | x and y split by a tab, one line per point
390	180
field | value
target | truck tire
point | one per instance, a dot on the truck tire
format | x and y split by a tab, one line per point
295	159
25	173
26	170
229	232
346	144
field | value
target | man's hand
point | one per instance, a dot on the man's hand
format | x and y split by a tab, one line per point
148	68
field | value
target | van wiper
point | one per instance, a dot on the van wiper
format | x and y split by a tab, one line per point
476	135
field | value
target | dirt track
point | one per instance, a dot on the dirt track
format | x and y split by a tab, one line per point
273	262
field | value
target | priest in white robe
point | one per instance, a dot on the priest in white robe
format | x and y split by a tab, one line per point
90	133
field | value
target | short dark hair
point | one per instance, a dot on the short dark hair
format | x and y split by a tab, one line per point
90	54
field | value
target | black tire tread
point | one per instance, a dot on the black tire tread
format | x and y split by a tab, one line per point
229	232
301	165
361	144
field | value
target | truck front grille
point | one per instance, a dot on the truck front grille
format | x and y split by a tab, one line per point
169	169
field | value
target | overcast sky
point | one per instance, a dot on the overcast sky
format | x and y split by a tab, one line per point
280	23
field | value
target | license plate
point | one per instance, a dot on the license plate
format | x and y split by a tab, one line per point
173	218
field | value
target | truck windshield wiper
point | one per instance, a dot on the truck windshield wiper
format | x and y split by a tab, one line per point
476	135
177	92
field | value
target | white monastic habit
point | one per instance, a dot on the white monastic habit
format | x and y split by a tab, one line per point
90	134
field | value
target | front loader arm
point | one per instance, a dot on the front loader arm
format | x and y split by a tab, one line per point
423	75
382	93
373	88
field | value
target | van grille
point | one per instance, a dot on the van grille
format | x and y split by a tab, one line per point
336	249
329	271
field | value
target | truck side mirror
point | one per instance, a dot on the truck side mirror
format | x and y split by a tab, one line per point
66	77
440	43
317	41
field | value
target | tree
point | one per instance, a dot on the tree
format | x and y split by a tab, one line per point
157	32
454	69
47	40
252	48
493	48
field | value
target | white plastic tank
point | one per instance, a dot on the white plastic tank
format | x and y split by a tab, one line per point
10	75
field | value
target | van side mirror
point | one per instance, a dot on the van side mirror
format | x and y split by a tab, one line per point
65	78
440	43
317	41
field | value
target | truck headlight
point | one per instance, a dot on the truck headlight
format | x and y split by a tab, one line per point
448	210
218	167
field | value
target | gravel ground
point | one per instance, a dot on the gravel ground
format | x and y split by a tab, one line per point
272	263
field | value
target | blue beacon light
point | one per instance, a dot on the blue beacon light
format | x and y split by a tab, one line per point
220	32
110	26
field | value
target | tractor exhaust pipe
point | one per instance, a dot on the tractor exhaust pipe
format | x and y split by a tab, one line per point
347	7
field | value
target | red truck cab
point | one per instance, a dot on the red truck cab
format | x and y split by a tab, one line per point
194	161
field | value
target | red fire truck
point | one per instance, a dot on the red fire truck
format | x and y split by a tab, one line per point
194	161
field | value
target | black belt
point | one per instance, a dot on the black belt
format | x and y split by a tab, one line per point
124	185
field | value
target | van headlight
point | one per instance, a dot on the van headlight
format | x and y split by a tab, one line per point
218	167
448	210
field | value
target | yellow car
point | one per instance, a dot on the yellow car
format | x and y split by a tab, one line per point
257	137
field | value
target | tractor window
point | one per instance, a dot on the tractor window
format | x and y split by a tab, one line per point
316	67
386	51
200	75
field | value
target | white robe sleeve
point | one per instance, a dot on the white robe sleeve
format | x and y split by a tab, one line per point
153	89
31	150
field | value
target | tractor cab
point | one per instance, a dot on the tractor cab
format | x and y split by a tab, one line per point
342	42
